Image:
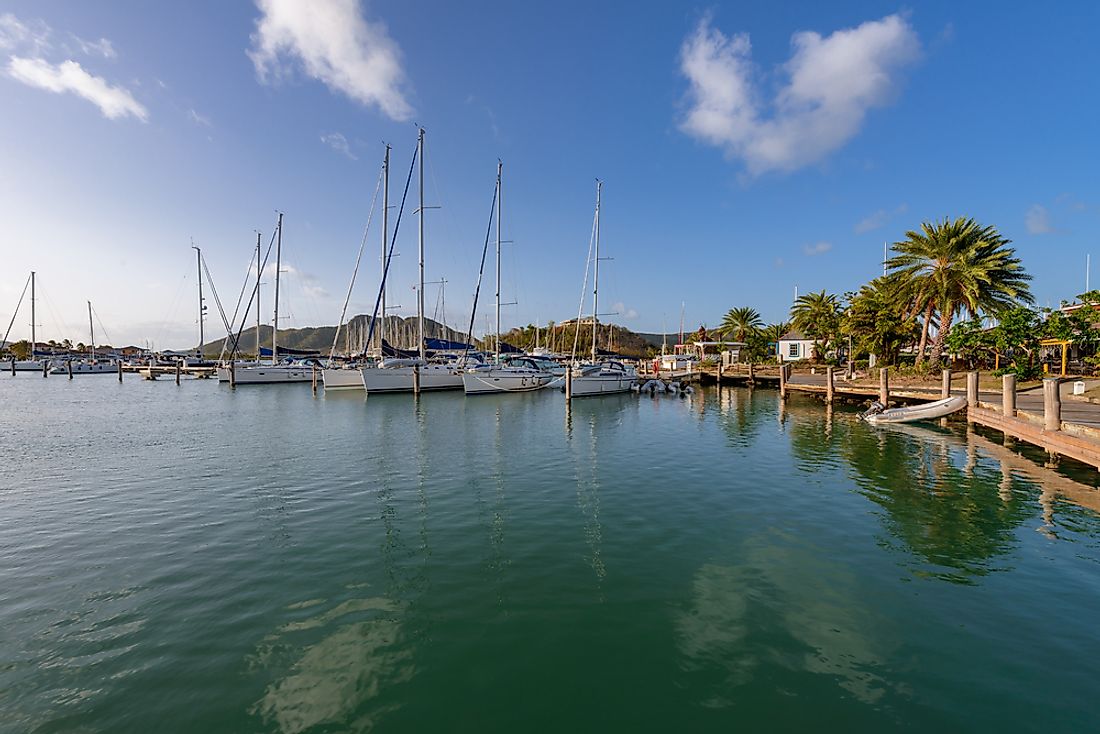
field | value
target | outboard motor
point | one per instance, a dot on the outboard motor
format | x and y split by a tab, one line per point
875	408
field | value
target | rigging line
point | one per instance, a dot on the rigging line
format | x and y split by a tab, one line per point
101	326
237	309
358	259
218	301
57	321
584	290
389	253
16	313
171	309
481	272
248	309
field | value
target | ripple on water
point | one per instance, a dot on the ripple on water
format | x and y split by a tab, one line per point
260	560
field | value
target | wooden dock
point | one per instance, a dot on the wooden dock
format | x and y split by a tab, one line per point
1045	417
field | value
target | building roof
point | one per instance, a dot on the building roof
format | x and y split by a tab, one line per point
793	336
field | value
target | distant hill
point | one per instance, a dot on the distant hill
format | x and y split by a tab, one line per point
560	338
400	332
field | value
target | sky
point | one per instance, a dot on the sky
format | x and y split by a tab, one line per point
747	150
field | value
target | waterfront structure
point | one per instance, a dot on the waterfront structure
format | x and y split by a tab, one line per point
793	346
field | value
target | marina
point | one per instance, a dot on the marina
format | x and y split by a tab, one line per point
507	367
409	562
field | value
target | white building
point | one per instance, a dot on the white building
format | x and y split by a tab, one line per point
793	346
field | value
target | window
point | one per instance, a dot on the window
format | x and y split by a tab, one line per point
792	350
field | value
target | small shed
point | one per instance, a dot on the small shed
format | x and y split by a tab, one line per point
794	346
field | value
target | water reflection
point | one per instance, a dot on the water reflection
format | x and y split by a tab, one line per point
331	679
953	498
782	612
591	418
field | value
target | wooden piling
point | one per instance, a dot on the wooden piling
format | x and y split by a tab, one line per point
119	363
884	386
232	374
45	369
1052	404
783	381
719	383
945	389
178	372
416	379
1008	395
569	384
314	376
69	367
829	385
971	389
752	373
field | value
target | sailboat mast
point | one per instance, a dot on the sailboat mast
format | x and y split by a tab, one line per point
385	240
420	291
198	263
91	330
278	266
34	321
259	266
596	272
500	202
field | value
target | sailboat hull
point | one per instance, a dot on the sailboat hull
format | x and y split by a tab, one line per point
343	379
268	375
483	382
85	368
28	365
400	379
601	385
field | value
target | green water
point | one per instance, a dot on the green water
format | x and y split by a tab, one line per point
199	559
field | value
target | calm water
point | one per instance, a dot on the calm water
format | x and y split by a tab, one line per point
197	559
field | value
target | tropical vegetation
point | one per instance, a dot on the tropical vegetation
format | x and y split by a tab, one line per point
945	280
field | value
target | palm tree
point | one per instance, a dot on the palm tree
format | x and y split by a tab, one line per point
817	316
775	332
741	323
959	264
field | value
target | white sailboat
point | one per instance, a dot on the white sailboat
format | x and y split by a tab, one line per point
32	364
90	366
517	375
414	374
599	377
350	377
275	372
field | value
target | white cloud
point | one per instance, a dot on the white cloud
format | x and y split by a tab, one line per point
103	47
339	143
1038	220
17	35
878	219
334	44
70	76
198	119
831	83
818	248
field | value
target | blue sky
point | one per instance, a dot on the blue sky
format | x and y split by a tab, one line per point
746	148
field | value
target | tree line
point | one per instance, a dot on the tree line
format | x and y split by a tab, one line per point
952	288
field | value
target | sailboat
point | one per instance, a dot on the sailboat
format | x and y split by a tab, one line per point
518	375
409	374
32	364
350	377
599	377
274	372
91	365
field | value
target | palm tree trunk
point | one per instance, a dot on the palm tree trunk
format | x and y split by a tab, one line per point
946	318
928	311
